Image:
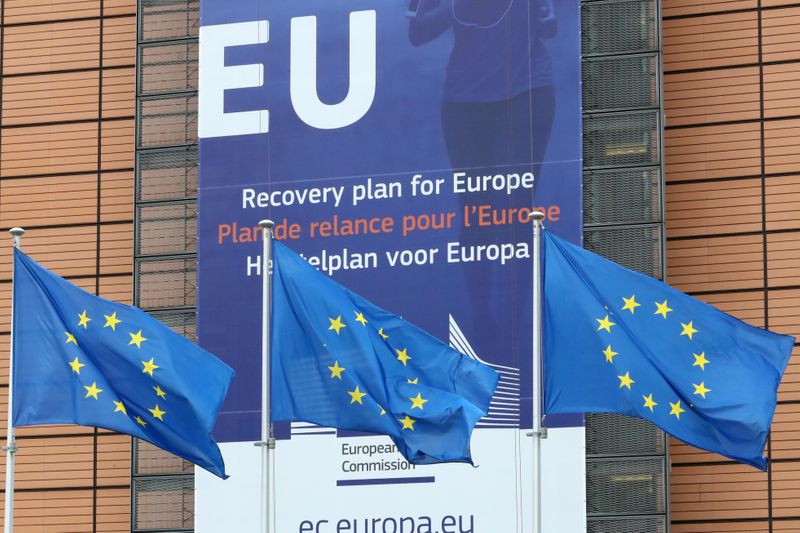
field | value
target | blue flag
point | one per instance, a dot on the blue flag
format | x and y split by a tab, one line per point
80	359
340	361
618	341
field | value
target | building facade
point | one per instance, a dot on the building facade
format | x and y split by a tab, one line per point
690	128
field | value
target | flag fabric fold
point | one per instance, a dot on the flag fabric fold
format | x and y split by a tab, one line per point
81	359
618	341
340	361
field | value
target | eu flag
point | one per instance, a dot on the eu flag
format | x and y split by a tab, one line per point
80	359
618	341
340	361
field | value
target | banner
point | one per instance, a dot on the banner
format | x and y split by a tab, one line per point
399	146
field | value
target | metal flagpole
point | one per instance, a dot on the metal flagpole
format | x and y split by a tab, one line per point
11	442
267	442
538	432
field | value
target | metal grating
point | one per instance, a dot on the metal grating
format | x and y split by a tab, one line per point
622	196
603	432
637	248
183	322
151	460
627	525
167	121
620	140
167	68
168	174
166	228
166	283
613	83
163	503
619	26
626	486
168	19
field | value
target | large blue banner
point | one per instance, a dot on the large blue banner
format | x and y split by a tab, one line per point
399	145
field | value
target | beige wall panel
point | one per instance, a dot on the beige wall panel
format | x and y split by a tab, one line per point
681	454
117	288
717	527
119	92
119	7
711	96
785	489
712	152
56	200
66	251
719	263
59	148
710	41
782	200
50	98
113	459
56	462
673	8
58	46
780	34
116	191
782	144
783	315
118	147
781	92
20	11
67	511
789	389
114	510
720	492
786	432
116	249
713	207
783	254
119	41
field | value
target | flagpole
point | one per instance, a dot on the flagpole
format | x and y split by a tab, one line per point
267	442
11	442
538	432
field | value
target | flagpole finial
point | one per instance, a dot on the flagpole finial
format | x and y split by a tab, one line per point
537	216
17	232
268	224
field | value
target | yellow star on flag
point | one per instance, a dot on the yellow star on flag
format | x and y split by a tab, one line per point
630	304
648	402
140	421
662	309
112	321
84	320
356	396
676	409
414	381
336	370
701	389
402	356
688	330
360	318
336	324
120	408
92	391
149	366
160	393
700	360
609	353
137	339
605	324
408	423
626	381
382	334
418	402
383	411
70	338
157	413
76	365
